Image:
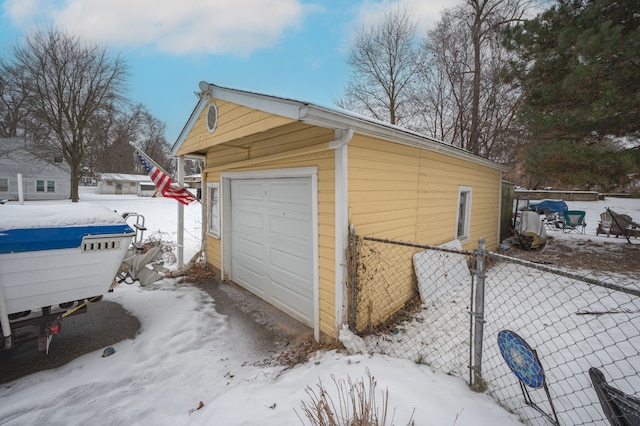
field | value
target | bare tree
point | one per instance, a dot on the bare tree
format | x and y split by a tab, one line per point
384	61
114	131
467	102
485	22
69	85
14	111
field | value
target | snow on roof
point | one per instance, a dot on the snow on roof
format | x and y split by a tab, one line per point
17	216
124	177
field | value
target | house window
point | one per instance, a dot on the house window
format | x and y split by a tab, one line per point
212	117
4	185
45	185
464	213
213	202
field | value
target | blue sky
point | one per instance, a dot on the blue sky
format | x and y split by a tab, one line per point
289	48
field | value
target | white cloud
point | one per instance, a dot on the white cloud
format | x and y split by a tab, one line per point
426	13
185	26
20	11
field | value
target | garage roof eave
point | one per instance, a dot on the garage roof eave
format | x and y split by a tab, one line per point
326	117
323	117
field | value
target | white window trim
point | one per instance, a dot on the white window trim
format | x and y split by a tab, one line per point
216	231
46	183
467	214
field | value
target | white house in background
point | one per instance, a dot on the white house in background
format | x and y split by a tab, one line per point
41	179
122	183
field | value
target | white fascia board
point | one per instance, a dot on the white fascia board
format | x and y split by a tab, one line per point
190	123
270	104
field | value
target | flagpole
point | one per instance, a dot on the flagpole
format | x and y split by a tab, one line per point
180	230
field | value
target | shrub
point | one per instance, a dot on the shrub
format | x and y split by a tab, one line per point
357	405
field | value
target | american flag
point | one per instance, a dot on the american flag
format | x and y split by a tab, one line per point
163	181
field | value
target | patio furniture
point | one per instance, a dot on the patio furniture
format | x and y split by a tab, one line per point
604	225
551	219
574	221
619	408
525	365
612	223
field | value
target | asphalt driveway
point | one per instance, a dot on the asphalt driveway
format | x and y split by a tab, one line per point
262	330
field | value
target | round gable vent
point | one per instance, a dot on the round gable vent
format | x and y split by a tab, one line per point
212	117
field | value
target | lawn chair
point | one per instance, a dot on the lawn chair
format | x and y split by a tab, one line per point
622	224
550	219
573	221
619	408
604	225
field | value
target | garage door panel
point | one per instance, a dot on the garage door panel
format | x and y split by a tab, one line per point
272	241
293	263
288	301
249	219
246	277
294	193
248	191
292	230
248	250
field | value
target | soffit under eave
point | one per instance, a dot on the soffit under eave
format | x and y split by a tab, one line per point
244	121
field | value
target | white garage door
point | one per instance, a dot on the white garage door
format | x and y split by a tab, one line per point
272	242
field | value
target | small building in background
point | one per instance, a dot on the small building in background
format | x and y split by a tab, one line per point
192	181
126	184
42	179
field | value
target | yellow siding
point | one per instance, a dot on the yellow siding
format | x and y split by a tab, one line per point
440	178
234	122
387	201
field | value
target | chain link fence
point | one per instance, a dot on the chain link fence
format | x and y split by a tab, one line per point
445	307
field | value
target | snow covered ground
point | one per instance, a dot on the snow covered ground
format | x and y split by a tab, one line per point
185	358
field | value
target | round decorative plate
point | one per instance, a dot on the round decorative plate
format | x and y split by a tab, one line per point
521	359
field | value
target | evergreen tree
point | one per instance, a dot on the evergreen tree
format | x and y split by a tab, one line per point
578	64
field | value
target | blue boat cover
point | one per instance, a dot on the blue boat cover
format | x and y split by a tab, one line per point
556	206
35	239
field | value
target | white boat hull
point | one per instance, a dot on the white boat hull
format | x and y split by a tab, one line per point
34	279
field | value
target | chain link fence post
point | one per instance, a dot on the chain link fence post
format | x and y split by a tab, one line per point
477	319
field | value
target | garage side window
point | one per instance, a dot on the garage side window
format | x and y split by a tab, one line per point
213	202
464	213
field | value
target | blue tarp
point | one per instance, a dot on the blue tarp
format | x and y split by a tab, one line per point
556	206
35	239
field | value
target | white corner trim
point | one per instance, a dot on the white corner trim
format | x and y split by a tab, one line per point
341	231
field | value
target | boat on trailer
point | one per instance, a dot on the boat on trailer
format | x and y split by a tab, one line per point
57	256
